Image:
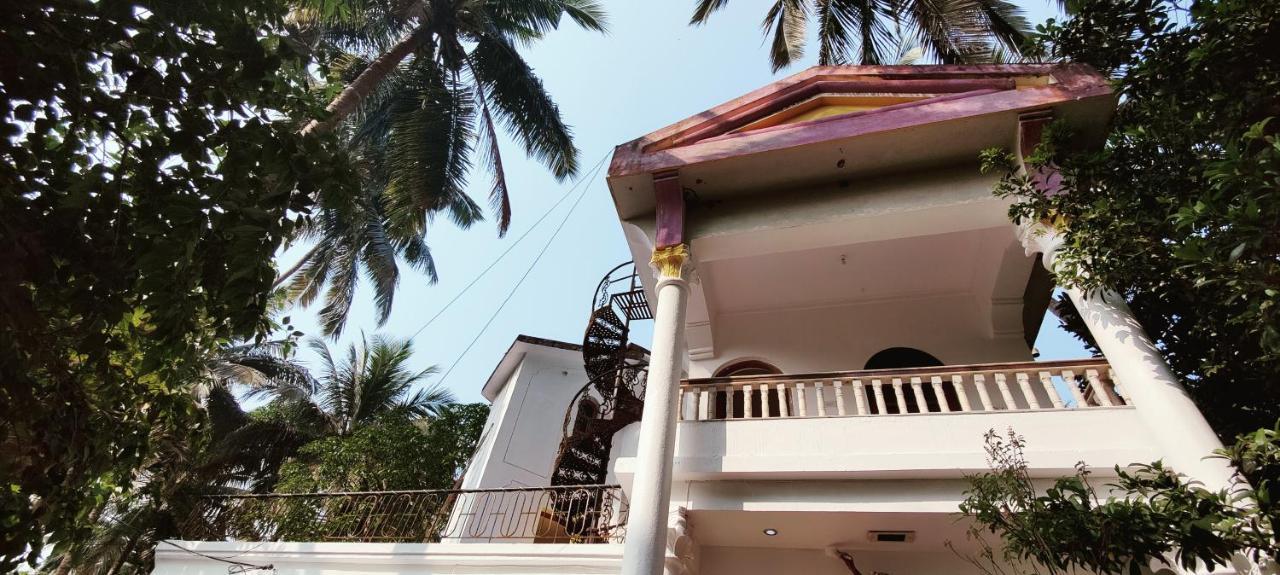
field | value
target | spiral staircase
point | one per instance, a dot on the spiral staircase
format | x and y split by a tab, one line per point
614	394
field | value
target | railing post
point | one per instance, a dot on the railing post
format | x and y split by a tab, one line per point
820	399
940	393
839	385
1046	381
1003	386
1099	391
783	409
984	394
1069	378
859	397
801	409
746	401
877	388
704	404
917	390
897	395
764	400
957	383
1024	383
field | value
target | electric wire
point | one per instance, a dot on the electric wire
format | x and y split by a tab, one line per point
494	263
520	282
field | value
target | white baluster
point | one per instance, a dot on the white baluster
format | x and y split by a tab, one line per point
764	400
917	389
839	385
783	410
801	408
859	397
984	394
878	389
940	393
897	394
957	382
820	398
746	401
1046	381
1115	386
1099	390
1069	377
1003	386
1024	383
704	404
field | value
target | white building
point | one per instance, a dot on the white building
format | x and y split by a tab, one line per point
841	310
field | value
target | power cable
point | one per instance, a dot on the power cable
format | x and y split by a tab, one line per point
520	282
513	245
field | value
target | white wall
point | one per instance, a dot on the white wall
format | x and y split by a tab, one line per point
842	338
894	446
522	435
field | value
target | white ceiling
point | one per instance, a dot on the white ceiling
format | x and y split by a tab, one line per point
818	530
912	267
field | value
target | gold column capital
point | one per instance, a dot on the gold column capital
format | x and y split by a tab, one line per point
671	261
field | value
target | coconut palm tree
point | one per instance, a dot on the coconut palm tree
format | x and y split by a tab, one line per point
427	82
373	379
866	31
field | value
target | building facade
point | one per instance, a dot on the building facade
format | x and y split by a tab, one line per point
841	309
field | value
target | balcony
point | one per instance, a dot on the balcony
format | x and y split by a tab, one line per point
566	514
985	388
916	423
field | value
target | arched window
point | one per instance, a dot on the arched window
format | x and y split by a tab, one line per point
899	357
747	367
588	409
725	402
905	357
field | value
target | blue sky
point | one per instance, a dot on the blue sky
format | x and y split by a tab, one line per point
652	69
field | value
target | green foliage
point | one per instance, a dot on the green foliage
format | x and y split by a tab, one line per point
1179	211
1150	515
150	169
394	452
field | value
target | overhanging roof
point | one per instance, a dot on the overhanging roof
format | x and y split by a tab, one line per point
832	122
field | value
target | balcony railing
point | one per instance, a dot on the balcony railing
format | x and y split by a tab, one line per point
568	514
1026	386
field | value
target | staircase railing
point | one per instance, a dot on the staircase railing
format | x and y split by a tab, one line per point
563	514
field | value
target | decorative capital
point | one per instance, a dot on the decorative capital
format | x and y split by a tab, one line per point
671	262
1043	238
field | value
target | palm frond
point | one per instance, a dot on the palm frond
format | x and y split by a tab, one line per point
499	194
428	151
427	402
704	9
787	19
523	105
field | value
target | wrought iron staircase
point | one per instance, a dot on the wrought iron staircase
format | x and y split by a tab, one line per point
614	394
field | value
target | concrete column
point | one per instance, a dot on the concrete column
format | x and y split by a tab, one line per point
644	552
1175	422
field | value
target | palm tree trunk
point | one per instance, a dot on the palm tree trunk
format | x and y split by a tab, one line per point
286	274
364	84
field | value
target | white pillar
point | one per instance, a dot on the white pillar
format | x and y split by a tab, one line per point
1176	424
644	551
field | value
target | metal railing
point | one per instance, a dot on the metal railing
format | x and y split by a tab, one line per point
1021	386
565	514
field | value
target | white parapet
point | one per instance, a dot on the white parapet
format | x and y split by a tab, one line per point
215	557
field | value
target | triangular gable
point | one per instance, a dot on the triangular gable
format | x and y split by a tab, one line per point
834	102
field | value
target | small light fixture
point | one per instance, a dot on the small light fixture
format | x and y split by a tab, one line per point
770	531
